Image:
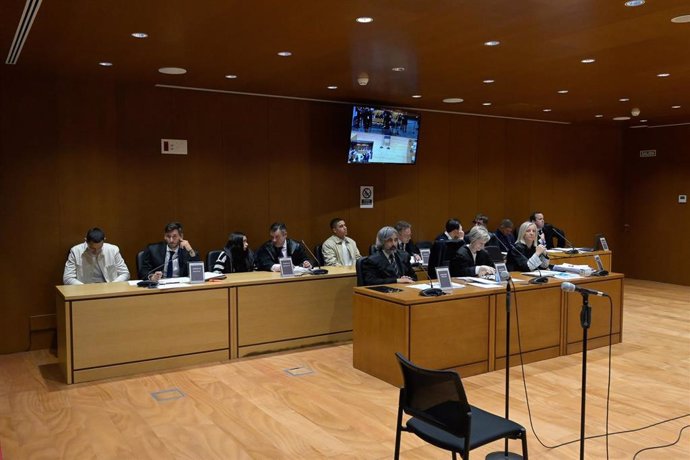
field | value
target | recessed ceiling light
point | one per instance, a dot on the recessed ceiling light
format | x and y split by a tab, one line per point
398	69
488	81
230	76
599	115
643	121
621	118
285	53
364	19
675	107
681	19
105	64
562	91
624	99
172	70
546	110
663	75
332	87
492	43
140	35
588	61
634	3
486	104
417	96
453	100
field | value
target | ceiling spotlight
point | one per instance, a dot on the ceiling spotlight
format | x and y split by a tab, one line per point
633	3
364	20
643	121
492	43
105	64
546	110
486	104
635	112
398	69
599	115
681	19
588	61
621	118
489	81
231	76
140	35
363	79
284	53
453	100
416	96
172	70
675	107
663	75
624	99
332	87
562	91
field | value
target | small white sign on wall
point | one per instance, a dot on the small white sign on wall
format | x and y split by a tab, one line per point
174	146
366	196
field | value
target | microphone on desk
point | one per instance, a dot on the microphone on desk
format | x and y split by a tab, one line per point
317	270
570	287
147	283
431	291
600	271
572	249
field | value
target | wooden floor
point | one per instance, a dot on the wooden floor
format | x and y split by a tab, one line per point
255	408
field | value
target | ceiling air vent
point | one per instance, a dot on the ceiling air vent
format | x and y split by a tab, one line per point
27	19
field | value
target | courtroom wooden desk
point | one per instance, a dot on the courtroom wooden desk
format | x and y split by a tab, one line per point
465	330
108	330
583	258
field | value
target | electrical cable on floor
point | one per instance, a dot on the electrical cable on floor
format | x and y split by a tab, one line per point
664	445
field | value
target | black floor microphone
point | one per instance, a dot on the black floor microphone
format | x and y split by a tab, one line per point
570	287
317	270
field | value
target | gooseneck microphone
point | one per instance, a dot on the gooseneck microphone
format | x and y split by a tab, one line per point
572	249
431	291
147	282
317	270
570	287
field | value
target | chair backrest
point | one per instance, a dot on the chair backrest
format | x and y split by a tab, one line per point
211	258
495	254
140	263
358	269
435	396
424	244
318	252
441	253
373	249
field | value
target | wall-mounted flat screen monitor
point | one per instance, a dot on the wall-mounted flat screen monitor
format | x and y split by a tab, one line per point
383	135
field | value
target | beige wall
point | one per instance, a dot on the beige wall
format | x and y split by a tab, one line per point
78	154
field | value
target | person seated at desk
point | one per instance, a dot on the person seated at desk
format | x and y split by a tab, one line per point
504	235
482	220
405	242
94	261
388	265
547	232
268	255
169	258
453	231
236	256
471	259
527	255
339	249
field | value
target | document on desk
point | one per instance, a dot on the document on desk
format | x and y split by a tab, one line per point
428	286
173	285
541	273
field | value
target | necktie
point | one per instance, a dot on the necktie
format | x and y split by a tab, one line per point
169	268
394	264
279	252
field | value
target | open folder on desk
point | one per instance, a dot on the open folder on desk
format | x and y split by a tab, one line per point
182	279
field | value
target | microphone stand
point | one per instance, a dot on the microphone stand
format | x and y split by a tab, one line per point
585	321
572	249
505	454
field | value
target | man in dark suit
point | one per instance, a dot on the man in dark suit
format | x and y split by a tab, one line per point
453	231
504	235
268	255
169	258
388	264
405	242
547	232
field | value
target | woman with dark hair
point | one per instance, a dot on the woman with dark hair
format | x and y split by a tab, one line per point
236	256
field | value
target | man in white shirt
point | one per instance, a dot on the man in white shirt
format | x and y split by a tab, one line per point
94	261
339	249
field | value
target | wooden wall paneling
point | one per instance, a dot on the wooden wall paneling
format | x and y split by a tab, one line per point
464	166
491	174
520	137
436	163
29	207
369	220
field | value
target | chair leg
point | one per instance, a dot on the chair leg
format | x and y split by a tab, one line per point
524	445
455	457
398	433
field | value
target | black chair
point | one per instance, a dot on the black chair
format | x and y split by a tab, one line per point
140	263
358	269
424	244
211	258
495	254
441	253
373	249
442	416
318	252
